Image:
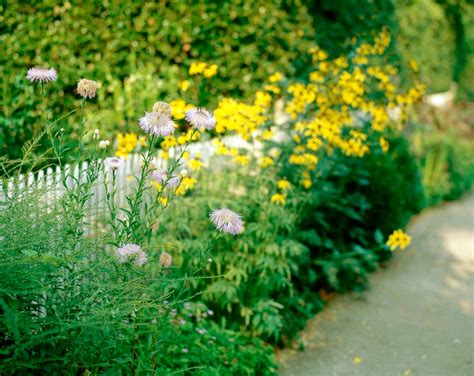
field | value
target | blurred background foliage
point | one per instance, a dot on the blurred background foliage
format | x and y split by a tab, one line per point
140	52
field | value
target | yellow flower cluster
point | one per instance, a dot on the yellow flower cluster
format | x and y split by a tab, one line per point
127	142
205	69
398	239
303	95
241	118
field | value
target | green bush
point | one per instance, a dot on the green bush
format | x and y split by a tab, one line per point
444	148
427	37
267	280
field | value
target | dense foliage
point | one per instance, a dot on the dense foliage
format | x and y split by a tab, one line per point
150	269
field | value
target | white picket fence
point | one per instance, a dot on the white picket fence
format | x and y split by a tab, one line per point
51	183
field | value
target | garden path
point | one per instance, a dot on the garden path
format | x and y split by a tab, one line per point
417	318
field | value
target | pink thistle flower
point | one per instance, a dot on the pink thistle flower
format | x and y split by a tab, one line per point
156	123
200	118
114	163
38	74
228	221
131	251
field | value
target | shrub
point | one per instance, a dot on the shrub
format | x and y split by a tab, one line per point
426	36
442	143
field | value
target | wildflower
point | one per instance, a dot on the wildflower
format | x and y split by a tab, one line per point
200	118
279	198
103	144
276	77
398	239
162	108
37	74
133	252
197	68
210	71
157	124
114	163
87	88
184	85
195	164
160	177
96	134
283	184
226	220
165	260
185	350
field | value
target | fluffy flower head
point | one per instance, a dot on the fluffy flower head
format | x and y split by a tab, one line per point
114	163
200	118
87	88
165	260
131	252
228	221
160	177
38	74
162	108
156	123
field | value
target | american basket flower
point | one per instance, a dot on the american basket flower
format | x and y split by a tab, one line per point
162	108
87	88
160	176
156	123
38	74
114	163
200	118
227	220
131	252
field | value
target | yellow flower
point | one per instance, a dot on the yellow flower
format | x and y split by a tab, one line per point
384	145
210	71
197	67
398	239
276	77
195	164
279	198
283	184
265	162
242	160
184	85
186	184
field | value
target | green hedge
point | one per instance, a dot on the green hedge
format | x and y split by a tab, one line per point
426	37
110	41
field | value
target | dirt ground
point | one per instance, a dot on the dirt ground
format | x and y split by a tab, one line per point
417	318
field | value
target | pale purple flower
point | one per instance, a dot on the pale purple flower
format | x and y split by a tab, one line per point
182	322
157	124
38	74
160	176
185	350
133	252
200	118
174	182
114	163
201	331
228	221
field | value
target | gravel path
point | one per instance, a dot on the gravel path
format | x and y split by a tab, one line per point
417	318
